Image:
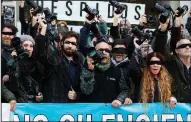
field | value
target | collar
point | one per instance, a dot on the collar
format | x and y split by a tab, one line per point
73	61
118	63
6	47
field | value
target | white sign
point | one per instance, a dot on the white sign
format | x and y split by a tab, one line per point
73	10
5	112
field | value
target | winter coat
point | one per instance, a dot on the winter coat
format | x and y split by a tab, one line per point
180	86
104	87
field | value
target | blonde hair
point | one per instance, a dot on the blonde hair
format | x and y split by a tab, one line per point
147	82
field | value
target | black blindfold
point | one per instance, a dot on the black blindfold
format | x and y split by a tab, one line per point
120	50
155	62
7	33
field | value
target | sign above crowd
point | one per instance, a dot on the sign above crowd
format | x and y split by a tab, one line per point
73	10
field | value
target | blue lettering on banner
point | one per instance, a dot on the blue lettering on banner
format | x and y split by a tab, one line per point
100	112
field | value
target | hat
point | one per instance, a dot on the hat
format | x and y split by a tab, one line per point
27	38
120	42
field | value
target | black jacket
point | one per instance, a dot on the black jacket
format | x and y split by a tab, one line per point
123	65
28	78
136	65
103	86
26	28
180	87
5	57
58	79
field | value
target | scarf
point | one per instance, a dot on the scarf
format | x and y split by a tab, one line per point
103	67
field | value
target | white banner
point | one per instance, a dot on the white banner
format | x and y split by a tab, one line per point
5	112
72	10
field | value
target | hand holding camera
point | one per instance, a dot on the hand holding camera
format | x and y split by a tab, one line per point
90	63
143	20
22	4
135	40
89	21
164	26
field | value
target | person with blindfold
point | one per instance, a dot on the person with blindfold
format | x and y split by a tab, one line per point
120	59
8	33
156	82
178	63
121	30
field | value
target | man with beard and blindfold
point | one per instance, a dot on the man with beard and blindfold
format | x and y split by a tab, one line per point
62	81
8	33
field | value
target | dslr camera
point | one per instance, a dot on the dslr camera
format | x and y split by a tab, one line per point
164	10
32	4
120	7
150	19
97	56
49	17
141	35
37	9
91	12
21	52
181	11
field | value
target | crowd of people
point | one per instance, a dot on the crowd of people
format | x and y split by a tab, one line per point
50	64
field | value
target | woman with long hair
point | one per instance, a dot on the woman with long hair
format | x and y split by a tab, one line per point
156	82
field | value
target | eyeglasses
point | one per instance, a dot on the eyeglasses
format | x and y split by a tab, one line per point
106	50
72	43
184	46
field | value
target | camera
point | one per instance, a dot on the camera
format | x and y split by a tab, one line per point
141	35
32	4
91	12
49	17
21	52
120	7
97	56
181	11
150	19
164	10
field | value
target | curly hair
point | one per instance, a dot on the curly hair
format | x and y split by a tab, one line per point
147	83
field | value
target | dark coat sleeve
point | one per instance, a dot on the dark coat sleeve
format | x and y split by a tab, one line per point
6	94
40	42
84	33
161	42
175	37
135	72
123	89
24	25
114	32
